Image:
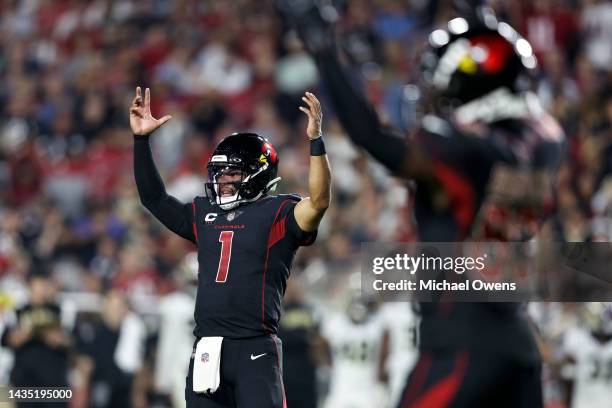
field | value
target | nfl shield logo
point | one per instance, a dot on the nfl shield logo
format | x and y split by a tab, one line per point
231	216
205	357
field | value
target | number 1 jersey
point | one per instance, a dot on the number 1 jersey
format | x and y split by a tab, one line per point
244	257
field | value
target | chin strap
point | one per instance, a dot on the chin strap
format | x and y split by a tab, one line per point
230	206
271	186
233	201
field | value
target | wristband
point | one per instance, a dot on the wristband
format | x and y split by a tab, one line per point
317	147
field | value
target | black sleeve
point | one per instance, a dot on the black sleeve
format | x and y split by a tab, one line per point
299	236
357	117
290	228
178	217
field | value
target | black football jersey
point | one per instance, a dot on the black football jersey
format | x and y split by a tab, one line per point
244	256
483	180
493	179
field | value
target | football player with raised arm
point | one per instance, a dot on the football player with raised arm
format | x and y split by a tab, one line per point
484	159
246	240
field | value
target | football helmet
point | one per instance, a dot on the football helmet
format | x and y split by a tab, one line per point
186	274
470	57
597	316
254	157
361	305
187	269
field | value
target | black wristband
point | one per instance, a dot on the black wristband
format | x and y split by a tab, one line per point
317	147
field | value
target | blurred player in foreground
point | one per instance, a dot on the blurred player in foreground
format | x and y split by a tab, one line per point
483	139
246	241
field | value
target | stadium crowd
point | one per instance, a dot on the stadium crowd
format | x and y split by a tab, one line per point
68	203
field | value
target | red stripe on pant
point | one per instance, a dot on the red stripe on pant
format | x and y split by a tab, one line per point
441	394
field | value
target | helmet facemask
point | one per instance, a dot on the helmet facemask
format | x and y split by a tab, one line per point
219	188
246	188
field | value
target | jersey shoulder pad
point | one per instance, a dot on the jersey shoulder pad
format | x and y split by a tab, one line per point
292	197
202	201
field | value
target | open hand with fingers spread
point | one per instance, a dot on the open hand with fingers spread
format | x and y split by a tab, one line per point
141	120
315	116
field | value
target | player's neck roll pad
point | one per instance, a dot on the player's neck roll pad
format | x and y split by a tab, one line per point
207	365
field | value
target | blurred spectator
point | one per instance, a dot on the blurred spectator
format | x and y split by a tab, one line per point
596	17
220	67
68	69
39	342
393	20
549	25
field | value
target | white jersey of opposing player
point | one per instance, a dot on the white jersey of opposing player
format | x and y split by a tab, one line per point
356	351
6	355
175	344
593	369
402	324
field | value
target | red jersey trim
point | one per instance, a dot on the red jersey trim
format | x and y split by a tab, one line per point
461	195
195	229
273	234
